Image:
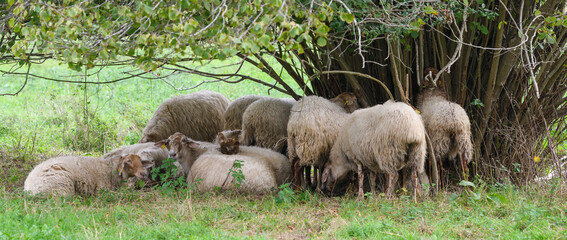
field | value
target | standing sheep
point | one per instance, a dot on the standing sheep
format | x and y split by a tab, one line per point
263	169
70	175
312	129
233	113
446	123
385	139
264	123
198	115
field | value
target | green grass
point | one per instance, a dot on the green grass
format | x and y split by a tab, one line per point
182	214
49	119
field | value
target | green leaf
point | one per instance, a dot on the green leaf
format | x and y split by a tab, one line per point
467	184
11	22
172	14
347	17
321	42
430	10
466	2
10	2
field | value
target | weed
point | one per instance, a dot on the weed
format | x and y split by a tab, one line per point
236	173
166	176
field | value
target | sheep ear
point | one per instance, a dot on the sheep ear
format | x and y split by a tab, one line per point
190	143
238	132
163	143
325	176
148	164
221	138
121	165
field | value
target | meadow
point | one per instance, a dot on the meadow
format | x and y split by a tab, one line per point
48	119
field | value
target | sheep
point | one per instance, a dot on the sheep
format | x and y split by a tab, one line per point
228	141
263	168
264	123
446	123
385	139
70	175
233	114
198	115
148	152
312	129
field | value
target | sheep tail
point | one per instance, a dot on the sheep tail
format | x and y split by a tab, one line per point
465	146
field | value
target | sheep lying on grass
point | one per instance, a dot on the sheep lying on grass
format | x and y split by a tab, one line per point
446	122
263	169
385	139
70	175
233	113
149	154
312	129
198	115
264	123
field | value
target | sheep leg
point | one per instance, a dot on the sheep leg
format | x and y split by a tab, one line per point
390	182
373	182
464	167
297	173
360	181
441	170
319	176
308	180
415	184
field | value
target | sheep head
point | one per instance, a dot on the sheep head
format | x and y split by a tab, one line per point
346	100
335	171
182	149
131	166
228	141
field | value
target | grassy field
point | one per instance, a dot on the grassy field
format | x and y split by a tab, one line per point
48	119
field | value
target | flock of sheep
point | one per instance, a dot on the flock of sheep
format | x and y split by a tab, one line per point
312	143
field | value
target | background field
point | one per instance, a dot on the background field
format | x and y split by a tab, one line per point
49	118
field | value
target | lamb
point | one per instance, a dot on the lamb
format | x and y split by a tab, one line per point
198	115
312	130
264	123
385	139
446	123
263	169
233	114
228	141
149	153
70	175
346	100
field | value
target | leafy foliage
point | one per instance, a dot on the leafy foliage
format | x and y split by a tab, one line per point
166	175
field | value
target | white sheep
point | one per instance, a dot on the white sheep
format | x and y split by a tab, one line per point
198	115
384	139
263	169
312	129
264	123
446	123
233	113
70	175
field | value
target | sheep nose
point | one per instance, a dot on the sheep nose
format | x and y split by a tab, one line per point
172	155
